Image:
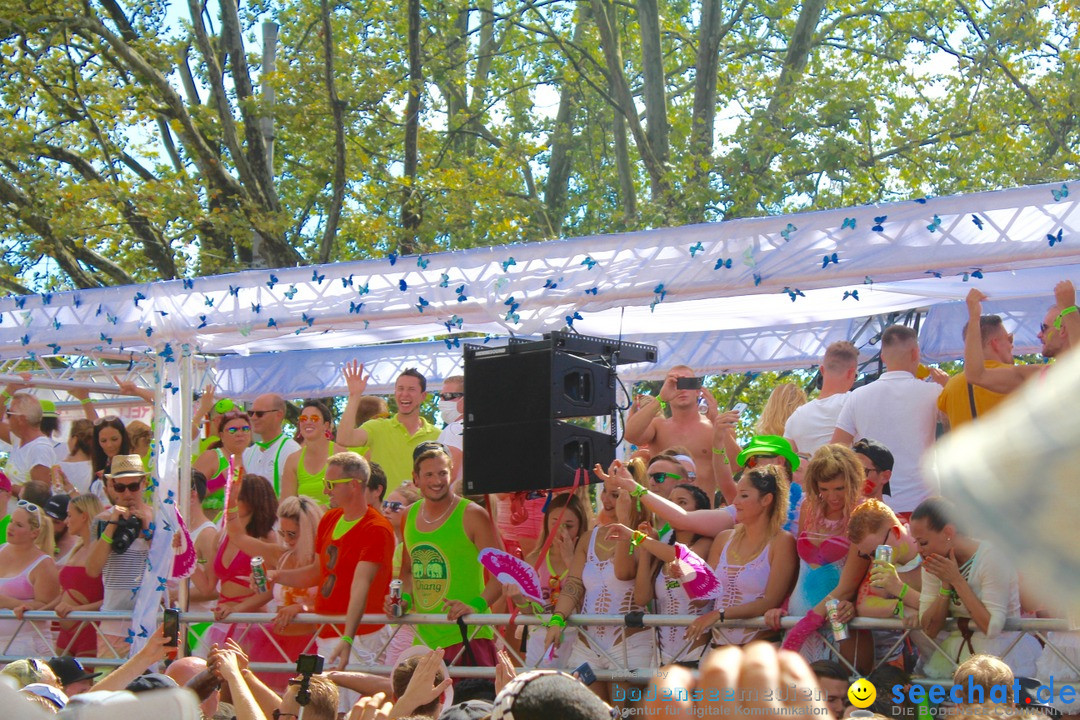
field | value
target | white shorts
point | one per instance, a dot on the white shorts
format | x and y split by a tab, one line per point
634	653
366	650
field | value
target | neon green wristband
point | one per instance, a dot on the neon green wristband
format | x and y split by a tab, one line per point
1067	311
903	592
84	401
347	639
556	621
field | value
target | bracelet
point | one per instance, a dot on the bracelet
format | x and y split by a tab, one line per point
347	639
903	592
106	538
84	401
636	540
722	611
637	492
663	405
556	620
1067	311
898	611
944	593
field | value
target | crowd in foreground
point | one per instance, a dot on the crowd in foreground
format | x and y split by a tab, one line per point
824	515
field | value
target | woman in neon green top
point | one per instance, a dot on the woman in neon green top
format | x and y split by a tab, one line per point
304	469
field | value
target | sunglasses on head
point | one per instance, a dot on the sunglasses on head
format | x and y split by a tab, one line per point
310	418
106	419
451	395
129	487
392	505
29	506
660	477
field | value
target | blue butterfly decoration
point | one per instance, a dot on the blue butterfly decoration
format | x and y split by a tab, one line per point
879	223
309	320
208	301
162	313
402	285
188	283
921	201
271	323
422	304
829	259
97	314
26	339
935	273
104	338
363	289
354	307
317	278
46	299
867	280
461	297
592	291
422	262
1055	239
256	308
78	301
722	263
234	291
454	322
848	223
977	220
513	317
272	281
571	318
20	302
55	348
793	293
452	343
149	331
661	291
1060	194
695	249
347	282
202	324
167	353
161	584
507	264
757	279
175	434
444	281
291	292
935	224
786	232
550	285
851	293
56	324
393	256
113	319
514	304
977	273
588	262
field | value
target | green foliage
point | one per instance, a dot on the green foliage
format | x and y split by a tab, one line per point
115	169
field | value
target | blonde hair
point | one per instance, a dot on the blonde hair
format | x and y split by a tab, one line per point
89	505
869	517
785	399
829	463
42	523
138	430
984	670
639	471
306	513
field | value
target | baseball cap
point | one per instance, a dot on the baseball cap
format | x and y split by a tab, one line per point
56	507
769	445
69	670
48	409
151	681
425	446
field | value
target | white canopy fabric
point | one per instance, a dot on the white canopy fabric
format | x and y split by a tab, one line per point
754	293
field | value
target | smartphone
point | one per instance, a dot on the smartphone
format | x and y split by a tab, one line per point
739	407
309	664
585	673
688	383
171	627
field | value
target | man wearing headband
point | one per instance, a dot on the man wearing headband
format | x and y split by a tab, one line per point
648	425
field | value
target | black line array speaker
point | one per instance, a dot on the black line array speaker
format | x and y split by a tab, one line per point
514	398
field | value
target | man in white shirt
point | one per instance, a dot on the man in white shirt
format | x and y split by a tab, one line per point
32	455
812	424
452	409
266	456
900	412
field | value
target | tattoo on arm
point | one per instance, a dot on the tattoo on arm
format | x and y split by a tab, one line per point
574	590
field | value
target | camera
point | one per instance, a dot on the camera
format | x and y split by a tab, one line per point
688	383
127	532
309	664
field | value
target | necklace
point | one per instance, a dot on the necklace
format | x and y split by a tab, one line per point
442	517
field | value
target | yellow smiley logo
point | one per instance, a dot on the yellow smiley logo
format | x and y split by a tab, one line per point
862	693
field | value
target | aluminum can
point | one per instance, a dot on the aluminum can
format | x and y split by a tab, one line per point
839	629
884	553
258	572
397	604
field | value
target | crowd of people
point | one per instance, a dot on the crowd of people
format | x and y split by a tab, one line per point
823	516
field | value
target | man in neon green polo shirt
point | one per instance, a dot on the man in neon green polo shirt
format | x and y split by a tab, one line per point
390	440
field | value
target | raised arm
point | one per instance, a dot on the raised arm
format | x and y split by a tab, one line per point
1069	318
700	522
723	437
640	428
999	379
349	433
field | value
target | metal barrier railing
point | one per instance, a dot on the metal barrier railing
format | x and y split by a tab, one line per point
35	621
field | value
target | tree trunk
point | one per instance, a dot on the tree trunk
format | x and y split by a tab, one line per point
654	95
627	194
337	195
410	199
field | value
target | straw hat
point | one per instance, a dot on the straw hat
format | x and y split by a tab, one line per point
126	466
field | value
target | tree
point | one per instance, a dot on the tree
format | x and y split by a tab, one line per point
132	145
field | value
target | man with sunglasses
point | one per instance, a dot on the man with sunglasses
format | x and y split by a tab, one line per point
1061	324
32	455
390	440
119	554
267	455
354	546
452	410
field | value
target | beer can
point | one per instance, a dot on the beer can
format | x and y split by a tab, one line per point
397	605
884	553
258	572
839	629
